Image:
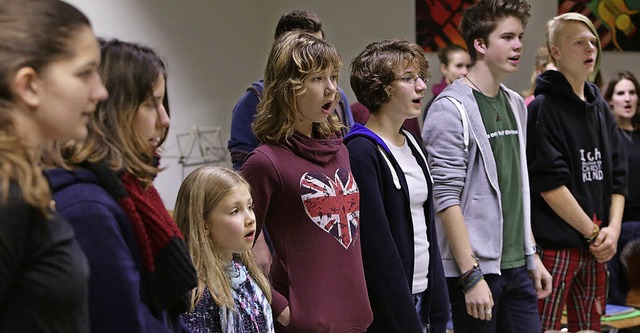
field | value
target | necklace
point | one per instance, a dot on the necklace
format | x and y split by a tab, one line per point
484	96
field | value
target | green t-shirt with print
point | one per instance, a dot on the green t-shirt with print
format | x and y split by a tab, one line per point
502	132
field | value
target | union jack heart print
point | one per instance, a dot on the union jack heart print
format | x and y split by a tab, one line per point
332	204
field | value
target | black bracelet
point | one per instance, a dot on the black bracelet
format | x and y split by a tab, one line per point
470	278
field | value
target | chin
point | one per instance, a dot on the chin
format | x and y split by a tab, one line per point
78	136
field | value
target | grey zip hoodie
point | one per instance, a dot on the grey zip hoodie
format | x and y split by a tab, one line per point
467	176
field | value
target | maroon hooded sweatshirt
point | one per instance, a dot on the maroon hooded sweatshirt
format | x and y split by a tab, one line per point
306	197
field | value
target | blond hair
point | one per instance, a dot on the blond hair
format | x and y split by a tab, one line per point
294	56
199	194
556	25
17	165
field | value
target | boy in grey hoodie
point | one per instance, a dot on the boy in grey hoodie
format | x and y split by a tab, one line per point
474	134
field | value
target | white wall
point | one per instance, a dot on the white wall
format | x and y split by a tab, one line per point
216	48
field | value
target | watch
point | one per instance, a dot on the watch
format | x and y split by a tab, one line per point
538	250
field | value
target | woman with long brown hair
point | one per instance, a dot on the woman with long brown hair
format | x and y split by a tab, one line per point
49	87
137	256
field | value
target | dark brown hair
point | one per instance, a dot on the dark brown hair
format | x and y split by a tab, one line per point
299	20
608	93
129	72
481	19
443	53
375	69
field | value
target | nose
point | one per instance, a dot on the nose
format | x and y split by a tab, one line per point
251	219
163	117
331	88
420	84
518	44
100	92
464	71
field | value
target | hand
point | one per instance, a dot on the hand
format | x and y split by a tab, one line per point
479	301
605	245
285	317
541	278
262	254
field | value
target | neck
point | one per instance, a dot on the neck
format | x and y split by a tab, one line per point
226	256
625	124
27	129
482	78
577	84
305	127
386	127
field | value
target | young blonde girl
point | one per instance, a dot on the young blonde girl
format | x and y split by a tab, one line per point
214	211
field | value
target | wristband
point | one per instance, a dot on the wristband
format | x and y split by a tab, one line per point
470	278
596	231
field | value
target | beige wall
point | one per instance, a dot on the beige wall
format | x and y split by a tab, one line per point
215	48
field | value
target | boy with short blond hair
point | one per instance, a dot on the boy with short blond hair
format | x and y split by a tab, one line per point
577	169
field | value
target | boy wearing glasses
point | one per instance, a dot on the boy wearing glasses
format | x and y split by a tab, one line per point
401	259
474	134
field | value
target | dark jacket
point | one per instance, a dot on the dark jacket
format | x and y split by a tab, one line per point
388	240
577	144
117	292
44	275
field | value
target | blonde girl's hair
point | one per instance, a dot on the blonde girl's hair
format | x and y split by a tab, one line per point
33	33
19	166
199	194
542	59
129	72
294	56
556	24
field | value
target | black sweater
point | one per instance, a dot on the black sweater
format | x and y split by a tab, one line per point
44	275
573	143
632	204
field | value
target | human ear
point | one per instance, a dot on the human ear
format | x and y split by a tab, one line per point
480	45
555	53
25	87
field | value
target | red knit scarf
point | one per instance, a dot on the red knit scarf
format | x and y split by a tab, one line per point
167	270
165	256
151	222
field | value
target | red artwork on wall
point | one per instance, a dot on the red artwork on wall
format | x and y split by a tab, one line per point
437	23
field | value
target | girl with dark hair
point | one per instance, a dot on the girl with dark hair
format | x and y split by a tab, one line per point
137	255
49	87
622	95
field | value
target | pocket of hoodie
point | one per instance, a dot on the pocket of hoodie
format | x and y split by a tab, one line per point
483	226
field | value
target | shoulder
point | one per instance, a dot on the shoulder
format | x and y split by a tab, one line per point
15	212
360	145
261	157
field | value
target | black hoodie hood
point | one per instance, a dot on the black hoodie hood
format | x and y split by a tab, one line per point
553	82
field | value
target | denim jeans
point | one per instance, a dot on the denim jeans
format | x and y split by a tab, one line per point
515	304
417	300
